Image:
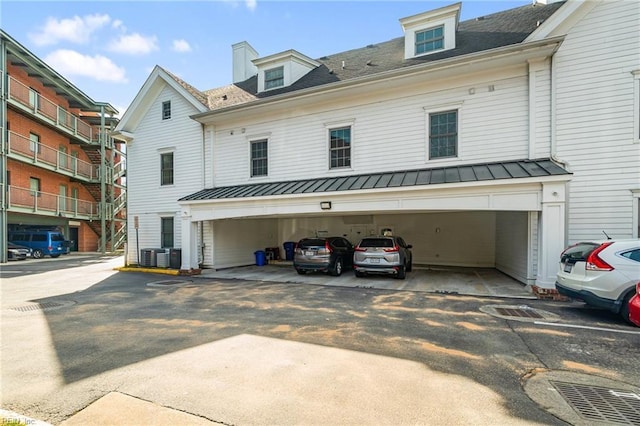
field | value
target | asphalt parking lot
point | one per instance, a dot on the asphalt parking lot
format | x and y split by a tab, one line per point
90	345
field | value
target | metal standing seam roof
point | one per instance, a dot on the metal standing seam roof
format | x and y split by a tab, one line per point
453	174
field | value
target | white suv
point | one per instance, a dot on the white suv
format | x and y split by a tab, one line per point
601	273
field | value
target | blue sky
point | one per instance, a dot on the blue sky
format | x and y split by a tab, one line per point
108	48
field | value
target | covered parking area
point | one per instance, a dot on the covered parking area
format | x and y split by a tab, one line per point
509	216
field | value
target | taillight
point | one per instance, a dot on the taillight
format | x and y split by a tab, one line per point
392	249
327	247
595	262
358	248
638	289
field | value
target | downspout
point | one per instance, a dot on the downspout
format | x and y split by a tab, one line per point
554	146
204	184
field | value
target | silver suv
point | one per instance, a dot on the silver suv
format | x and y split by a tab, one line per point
382	255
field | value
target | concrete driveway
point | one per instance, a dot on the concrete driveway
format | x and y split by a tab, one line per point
443	280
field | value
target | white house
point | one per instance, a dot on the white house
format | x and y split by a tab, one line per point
491	142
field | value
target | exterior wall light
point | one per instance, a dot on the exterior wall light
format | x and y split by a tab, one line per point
325	205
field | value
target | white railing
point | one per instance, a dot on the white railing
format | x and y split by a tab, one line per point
60	161
49	109
51	204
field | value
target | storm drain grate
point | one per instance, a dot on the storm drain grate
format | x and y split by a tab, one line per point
601	404
37	307
519	312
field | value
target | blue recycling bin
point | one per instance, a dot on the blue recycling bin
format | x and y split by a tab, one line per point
261	257
289	248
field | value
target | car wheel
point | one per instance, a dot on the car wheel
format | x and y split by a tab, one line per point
359	274
410	265
624	309
37	254
55	255
336	271
301	271
402	272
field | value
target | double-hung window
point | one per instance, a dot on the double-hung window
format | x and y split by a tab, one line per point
429	40
166	168
274	78
340	147
259	158
166	232
166	110
443	134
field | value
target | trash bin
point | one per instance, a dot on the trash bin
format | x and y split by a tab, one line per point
289	248
261	257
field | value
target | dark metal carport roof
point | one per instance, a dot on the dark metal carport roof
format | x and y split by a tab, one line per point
433	176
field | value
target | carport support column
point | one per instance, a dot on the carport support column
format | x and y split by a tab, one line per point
552	232
189	240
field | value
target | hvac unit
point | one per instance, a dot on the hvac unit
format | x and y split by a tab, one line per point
162	260
149	256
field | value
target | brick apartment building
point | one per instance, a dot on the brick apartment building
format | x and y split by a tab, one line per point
60	167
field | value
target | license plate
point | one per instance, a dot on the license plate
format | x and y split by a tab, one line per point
568	267
375	260
308	253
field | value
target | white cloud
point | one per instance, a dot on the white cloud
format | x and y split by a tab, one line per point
251	4
134	44
70	62
76	30
181	46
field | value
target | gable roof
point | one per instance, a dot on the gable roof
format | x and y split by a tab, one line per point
438	175
475	35
158	78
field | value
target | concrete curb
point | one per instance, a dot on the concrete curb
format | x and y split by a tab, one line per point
159	271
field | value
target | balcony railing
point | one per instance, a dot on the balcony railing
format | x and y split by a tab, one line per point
50	111
25	199
38	153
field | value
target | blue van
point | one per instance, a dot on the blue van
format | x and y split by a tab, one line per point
42	242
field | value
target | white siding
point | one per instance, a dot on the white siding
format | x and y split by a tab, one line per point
236	241
388	133
595	120
147	199
512	244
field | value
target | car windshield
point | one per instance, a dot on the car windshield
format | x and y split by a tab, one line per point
579	252
376	242
312	242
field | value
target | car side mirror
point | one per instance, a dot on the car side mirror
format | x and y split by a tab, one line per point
409	246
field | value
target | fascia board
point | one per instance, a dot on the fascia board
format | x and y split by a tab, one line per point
561	22
147	94
283	56
465	63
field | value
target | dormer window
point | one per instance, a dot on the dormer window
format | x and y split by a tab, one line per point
429	40
430	32
274	78
282	69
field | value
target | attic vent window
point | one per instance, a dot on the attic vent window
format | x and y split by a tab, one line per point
166	110
274	78
430	40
